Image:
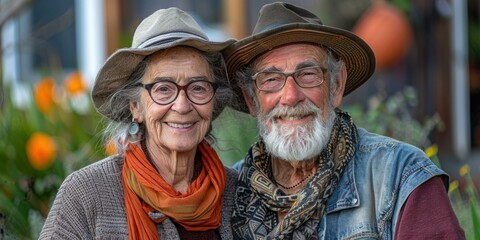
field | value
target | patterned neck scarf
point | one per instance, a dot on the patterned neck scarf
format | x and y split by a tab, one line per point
259	199
146	192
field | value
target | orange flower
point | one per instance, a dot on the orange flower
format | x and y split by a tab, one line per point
110	148
43	94
75	84
41	150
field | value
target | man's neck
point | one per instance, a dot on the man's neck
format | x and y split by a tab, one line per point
292	176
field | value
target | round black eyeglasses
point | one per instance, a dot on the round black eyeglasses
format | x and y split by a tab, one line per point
165	92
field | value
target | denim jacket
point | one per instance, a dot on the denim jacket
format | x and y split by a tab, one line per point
373	188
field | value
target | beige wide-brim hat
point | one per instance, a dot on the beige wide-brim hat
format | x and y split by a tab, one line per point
163	29
282	23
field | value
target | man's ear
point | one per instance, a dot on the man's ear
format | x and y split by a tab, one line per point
339	88
250	103
136	111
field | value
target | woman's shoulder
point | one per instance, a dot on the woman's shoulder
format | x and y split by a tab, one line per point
231	184
98	182
89	197
112	164
232	175
105	172
232	172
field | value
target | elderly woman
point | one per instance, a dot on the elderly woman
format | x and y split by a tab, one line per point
160	96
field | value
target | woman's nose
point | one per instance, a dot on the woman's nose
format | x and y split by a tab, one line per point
182	104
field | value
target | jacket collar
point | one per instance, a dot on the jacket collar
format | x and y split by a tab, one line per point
346	194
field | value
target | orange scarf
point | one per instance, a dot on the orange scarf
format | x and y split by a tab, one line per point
146	191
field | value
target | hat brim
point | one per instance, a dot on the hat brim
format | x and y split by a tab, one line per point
357	55
118	68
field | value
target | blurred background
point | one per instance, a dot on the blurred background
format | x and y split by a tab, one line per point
425	91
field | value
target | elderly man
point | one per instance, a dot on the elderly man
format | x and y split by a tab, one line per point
313	174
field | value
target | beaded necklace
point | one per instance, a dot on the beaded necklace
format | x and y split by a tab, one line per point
296	184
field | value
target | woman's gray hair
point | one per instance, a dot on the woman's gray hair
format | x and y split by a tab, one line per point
246	83
119	103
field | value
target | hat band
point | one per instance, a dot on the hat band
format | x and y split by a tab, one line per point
169	37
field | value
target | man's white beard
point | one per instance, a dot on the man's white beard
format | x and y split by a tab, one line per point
295	143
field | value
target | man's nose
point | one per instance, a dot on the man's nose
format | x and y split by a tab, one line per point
291	93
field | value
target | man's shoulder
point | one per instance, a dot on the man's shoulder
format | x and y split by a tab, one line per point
374	143
390	155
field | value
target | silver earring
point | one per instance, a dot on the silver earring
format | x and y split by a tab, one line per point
133	128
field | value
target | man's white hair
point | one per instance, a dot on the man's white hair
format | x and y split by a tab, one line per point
295	143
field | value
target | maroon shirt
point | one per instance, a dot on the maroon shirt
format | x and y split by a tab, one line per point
428	214
197	235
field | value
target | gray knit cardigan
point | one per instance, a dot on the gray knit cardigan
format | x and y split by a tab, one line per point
90	205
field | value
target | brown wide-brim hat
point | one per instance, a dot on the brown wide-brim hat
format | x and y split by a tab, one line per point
165	28
282	23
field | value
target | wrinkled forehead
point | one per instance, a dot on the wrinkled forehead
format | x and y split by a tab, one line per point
181	64
287	57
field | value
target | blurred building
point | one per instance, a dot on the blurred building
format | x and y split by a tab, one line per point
443	62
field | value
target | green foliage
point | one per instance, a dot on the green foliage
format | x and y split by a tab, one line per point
392	116
26	192
465	197
475	220
234	132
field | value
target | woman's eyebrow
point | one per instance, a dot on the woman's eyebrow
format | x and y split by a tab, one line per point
158	79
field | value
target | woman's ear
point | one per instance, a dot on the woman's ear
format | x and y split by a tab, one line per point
339	88
136	110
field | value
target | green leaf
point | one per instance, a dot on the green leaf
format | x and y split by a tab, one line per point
475	220
16	220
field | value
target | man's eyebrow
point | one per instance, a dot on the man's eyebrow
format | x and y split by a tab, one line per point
307	64
270	69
